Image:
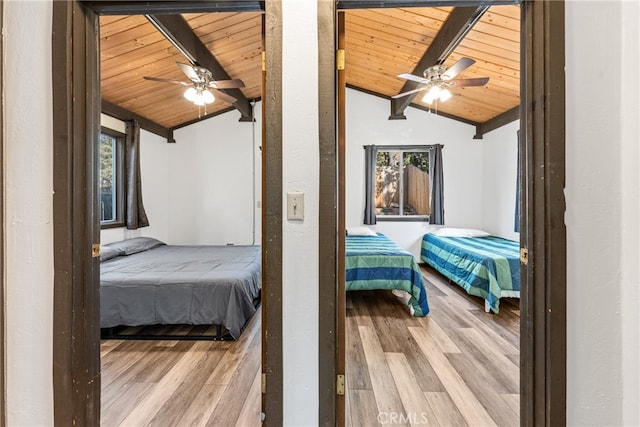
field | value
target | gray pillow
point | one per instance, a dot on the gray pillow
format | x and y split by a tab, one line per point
108	252
135	245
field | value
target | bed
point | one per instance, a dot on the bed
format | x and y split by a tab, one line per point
146	282
487	267
375	262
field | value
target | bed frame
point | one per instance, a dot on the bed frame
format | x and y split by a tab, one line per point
146	283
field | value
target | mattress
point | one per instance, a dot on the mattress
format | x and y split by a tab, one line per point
197	285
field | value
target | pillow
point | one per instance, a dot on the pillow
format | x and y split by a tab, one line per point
360	231
135	245
108	252
460	232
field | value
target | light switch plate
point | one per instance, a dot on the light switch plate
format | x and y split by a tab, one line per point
295	206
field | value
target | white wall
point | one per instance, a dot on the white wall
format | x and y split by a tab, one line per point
630	220
213	187
200	190
28	169
465	193
602	213
500	166
300	159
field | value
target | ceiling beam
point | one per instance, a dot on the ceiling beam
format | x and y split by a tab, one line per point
385	4
497	122
172	7
123	114
180	34
453	30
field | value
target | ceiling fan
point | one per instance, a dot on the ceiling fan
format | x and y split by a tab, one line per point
438	78
202	86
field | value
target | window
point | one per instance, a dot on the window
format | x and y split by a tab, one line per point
111	179
402	182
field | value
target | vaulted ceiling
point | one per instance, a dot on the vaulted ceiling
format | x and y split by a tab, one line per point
380	44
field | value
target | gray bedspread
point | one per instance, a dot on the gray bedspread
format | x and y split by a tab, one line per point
198	285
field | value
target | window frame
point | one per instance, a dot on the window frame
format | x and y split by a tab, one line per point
404	149
118	169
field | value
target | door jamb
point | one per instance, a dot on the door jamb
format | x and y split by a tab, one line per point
330	226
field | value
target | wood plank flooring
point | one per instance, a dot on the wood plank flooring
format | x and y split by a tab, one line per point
459	366
456	367
182	383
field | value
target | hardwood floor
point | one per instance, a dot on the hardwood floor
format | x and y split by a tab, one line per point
182	383
456	367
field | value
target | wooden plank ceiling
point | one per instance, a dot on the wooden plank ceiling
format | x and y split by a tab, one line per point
131	48
380	44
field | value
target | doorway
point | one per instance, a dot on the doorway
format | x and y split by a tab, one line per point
543	329
76	230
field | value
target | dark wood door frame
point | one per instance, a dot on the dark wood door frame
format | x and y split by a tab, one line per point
272	380
542	149
331	255
543	236
76	120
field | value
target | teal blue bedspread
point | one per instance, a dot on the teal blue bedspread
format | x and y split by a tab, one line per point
375	262
483	266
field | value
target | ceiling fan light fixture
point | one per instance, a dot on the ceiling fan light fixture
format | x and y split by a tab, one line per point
432	94
207	96
191	94
445	95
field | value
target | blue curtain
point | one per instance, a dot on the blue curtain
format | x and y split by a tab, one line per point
370	184
436	183
135	214
516	222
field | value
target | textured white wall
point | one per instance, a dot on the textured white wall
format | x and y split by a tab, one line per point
300	238
200	190
602	213
630	221
367	123
28	169
211	181
500	165
154	168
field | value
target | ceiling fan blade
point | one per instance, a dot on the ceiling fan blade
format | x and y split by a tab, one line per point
413	78
157	79
480	81
457	68
409	92
226	84
189	72
223	96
